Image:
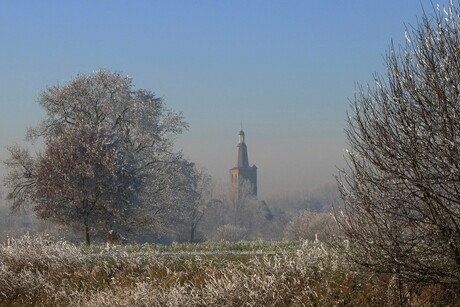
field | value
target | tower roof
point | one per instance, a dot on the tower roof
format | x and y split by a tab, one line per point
243	160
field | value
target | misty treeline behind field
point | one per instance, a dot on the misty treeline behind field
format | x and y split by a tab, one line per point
302	215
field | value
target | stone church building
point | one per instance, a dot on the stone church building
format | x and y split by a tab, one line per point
243	178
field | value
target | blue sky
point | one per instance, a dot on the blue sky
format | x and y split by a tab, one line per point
287	69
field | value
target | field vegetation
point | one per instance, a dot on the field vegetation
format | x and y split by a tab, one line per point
35	270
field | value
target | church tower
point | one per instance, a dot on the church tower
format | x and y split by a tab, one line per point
243	178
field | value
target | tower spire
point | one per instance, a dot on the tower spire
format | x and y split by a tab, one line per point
242	173
243	160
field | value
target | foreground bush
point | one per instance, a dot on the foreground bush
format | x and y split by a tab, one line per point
36	271
401	185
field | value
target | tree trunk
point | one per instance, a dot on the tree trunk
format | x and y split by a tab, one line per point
87	233
192	233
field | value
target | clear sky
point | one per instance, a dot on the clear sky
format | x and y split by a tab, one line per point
286	69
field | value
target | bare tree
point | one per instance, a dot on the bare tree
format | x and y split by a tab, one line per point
308	225
201	200
108	156
243	215
401	189
230	233
250	213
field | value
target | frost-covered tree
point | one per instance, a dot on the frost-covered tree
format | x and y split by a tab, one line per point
401	189
108	158
201	199
85	177
308	225
231	233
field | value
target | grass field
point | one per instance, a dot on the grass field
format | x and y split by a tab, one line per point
38	271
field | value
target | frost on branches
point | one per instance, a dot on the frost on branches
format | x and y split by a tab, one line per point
108	162
401	189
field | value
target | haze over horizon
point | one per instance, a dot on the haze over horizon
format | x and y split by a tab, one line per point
286	69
